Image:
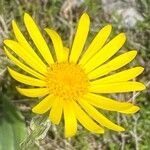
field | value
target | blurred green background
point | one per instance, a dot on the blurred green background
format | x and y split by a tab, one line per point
21	129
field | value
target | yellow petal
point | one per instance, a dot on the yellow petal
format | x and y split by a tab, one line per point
34	92
85	120
22	66
80	37
66	53
131	110
23	42
112	65
26	79
96	44
122	76
105	53
57	42
70	119
118	87
21	52
109	104
37	38
97	116
56	111
44	105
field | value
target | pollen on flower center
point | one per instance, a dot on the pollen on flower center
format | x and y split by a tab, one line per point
67	80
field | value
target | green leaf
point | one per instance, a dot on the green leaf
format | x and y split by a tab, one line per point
39	127
12	126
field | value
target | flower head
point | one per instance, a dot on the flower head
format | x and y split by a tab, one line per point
71	85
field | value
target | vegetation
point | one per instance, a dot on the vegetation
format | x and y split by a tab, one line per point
21	129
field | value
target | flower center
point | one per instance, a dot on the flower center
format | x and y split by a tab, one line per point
67	80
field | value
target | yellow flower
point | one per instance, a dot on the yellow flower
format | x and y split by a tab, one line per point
72	80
